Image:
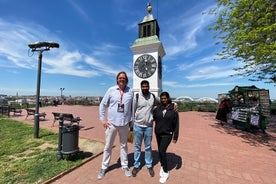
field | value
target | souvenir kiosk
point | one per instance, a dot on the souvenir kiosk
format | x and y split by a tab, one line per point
250	107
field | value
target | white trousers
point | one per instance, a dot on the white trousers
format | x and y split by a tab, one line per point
110	135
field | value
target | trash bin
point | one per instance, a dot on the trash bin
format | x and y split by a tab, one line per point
70	138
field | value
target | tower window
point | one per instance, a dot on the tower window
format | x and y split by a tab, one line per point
146	30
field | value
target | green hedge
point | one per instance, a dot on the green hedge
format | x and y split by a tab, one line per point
273	107
197	106
209	107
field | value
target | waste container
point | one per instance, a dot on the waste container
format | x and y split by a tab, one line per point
70	138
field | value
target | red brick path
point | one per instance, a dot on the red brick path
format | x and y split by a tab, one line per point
206	152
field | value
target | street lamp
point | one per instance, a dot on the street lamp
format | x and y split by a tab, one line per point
61	90
39	47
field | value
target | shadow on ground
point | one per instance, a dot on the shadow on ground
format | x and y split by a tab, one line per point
255	137
174	161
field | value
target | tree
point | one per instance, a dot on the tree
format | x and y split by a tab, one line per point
247	31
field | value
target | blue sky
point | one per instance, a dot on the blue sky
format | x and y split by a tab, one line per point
95	39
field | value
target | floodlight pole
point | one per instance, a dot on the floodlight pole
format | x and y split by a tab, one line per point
61	90
39	47
36	116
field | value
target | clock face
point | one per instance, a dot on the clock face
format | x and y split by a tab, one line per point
145	66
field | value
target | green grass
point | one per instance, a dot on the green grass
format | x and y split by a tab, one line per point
25	159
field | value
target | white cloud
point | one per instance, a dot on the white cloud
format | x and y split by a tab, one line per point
183	35
207	68
174	84
210	73
188	65
14	40
212	84
69	63
79	10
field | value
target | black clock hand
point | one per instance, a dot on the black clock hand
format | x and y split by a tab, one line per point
146	64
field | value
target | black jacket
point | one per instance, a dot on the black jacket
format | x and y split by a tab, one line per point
168	124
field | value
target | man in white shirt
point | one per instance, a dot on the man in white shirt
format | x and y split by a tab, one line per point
118	100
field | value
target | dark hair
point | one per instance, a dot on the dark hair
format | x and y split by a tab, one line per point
144	82
120	74
165	94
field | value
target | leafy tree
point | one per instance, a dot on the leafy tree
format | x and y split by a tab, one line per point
247	30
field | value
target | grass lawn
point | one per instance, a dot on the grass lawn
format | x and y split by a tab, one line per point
25	159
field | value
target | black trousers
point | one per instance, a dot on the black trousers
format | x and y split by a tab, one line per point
163	142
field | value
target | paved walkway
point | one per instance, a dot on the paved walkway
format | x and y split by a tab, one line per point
206	153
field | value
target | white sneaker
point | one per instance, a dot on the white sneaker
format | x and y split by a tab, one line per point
164	177
101	174
127	171
161	171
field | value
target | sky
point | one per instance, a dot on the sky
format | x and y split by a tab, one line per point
95	39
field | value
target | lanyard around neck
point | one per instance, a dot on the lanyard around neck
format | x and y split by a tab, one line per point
121	95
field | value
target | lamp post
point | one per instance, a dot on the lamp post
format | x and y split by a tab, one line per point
39	47
61	90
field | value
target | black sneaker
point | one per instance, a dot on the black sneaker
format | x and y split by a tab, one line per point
135	171
151	172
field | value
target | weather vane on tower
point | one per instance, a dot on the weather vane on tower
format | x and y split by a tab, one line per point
149	8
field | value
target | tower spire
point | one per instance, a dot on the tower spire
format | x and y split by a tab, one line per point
148	51
149	8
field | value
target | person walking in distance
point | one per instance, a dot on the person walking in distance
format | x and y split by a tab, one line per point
118	100
166	130
143	104
224	109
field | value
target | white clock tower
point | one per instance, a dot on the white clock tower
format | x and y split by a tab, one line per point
148	52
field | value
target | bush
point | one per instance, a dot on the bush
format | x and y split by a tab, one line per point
186	106
207	107
197	106
273	107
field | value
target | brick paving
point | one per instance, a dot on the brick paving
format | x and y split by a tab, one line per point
206	152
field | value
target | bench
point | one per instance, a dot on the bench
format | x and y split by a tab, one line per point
32	112
15	111
66	117
5	110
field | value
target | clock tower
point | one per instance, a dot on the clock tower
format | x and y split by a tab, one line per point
148	52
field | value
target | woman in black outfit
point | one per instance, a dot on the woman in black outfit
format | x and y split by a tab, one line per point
166	130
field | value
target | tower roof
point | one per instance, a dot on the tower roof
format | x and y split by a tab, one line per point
148	36
149	16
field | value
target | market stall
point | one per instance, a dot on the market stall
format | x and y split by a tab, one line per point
250	107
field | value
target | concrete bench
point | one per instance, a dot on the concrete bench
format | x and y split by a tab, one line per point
31	112
66	117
